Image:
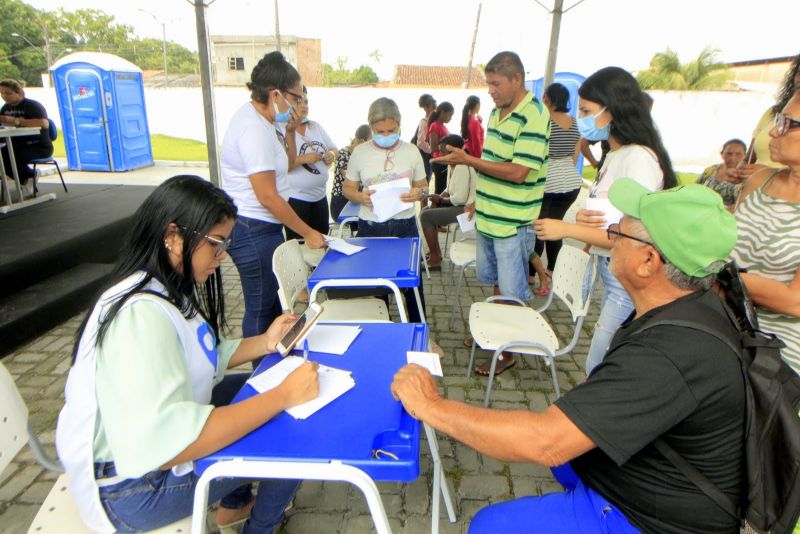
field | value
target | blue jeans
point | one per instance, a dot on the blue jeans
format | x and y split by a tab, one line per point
579	510
504	262
252	245
160	498
397	228
615	308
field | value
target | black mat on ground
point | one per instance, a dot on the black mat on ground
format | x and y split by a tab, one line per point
54	256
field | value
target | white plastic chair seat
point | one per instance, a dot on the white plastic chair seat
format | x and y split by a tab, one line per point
312	256
354	311
463	252
494	325
59	514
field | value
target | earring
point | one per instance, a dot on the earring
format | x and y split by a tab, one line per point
166	245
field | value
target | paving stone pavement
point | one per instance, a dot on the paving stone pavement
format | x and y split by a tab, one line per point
40	367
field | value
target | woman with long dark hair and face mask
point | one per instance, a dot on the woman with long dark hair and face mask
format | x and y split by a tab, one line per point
612	106
147	392
258	150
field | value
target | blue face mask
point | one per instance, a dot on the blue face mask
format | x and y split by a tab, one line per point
282	116
386	141
304	120
587	126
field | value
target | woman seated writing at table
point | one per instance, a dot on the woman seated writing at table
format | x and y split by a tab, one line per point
147	392
383	159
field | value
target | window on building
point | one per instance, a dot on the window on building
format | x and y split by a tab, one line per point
235	63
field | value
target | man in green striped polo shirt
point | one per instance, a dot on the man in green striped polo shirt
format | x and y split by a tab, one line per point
511	176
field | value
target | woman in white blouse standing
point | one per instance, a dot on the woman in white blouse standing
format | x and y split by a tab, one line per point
256	155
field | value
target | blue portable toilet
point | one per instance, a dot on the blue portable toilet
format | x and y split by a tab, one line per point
572	81
103	116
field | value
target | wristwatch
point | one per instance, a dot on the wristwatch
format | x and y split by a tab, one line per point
423	192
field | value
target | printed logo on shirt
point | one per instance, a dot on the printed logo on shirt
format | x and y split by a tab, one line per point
387	177
311	146
206	339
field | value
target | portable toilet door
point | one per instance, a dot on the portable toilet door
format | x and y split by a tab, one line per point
89	123
103	115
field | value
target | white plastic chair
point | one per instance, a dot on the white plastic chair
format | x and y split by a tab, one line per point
523	330
291	272
58	513
422	240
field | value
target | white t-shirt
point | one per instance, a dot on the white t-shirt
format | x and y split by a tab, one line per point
630	161
307	182
252	145
372	165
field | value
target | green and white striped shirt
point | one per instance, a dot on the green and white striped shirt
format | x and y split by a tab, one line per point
769	246
521	137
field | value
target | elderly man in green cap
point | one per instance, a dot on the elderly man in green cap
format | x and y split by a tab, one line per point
666	382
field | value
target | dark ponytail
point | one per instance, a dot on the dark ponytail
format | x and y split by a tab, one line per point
472	101
271	72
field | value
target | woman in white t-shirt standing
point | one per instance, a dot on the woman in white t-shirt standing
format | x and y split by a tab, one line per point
309	174
612	106
386	158
256	155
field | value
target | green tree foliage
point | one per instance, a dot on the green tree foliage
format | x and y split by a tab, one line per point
666	72
341	75
50	34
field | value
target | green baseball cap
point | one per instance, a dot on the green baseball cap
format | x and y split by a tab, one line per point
689	223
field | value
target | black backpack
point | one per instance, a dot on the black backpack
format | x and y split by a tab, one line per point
771	502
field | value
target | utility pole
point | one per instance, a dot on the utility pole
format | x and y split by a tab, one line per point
277	28
472	48
204	57
163	43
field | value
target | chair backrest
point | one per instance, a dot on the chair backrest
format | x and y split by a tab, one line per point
53	131
568	280
13	419
291	271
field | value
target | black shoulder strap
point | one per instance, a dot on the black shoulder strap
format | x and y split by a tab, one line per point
698	479
692	473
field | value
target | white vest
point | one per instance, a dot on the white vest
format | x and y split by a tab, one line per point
76	423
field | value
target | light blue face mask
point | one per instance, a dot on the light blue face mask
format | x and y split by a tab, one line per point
386	141
282	116
587	126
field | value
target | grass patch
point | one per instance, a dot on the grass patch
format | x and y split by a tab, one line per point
164	148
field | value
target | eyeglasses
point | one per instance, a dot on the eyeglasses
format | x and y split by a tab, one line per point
297	98
388	165
613	232
783	124
221	244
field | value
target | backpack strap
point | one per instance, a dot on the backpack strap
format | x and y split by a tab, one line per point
698	479
695	321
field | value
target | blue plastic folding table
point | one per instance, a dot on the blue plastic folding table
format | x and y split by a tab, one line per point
354	438
392	259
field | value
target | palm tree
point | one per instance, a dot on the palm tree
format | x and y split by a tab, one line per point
666	72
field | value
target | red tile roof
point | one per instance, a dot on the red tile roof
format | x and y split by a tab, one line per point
425	76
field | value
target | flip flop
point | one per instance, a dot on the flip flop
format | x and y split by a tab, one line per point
542	291
505	362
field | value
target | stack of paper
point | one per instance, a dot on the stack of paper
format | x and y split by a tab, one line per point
340	245
466	224
331	338
429	360
612	214
386	201
333	383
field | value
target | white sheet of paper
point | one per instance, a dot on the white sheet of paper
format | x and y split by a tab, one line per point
466	224
613	215
386	200
428	360
332	338
340	245
332	384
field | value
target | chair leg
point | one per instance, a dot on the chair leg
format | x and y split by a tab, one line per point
471	358
492	368
457	303
555	378
60	176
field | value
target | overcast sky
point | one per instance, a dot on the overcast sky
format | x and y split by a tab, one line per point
594	34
